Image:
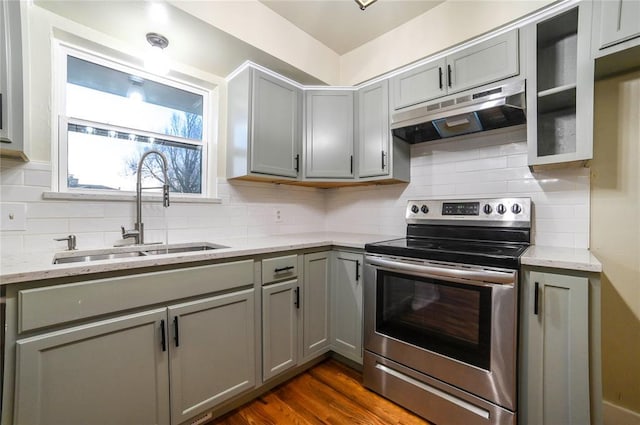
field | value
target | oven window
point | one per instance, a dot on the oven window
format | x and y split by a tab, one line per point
451	319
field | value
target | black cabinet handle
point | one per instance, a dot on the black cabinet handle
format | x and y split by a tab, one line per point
283	269
297	303
176	330
440	77
536	298
298	163
163	336
449	74
357	270
351	162
383	164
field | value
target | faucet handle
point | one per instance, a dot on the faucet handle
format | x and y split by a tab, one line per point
71	242
129	233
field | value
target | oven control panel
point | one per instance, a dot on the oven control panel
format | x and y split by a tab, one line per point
487	212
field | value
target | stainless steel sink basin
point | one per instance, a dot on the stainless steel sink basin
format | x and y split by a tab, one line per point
132	251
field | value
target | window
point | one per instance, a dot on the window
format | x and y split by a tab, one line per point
111	114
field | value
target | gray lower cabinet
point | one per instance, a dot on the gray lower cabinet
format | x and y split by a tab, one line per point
346	305
315	305
212	352
329	151
559	345
280	312
109	372
264	126
185	356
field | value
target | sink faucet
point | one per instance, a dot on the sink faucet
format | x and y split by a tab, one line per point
138	232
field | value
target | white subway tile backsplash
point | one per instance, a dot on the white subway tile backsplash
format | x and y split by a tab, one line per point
38	178
489	165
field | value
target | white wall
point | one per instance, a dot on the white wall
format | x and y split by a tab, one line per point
491	165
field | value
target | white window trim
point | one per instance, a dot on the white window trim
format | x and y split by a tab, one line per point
59	129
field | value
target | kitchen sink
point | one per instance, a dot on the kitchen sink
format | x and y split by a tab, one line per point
132	252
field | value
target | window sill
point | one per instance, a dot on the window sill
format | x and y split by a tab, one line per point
126	197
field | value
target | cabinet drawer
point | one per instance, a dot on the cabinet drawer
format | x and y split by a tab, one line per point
42	307
278	268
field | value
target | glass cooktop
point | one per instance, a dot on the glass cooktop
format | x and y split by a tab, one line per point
485	253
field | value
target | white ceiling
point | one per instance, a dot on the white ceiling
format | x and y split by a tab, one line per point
341	25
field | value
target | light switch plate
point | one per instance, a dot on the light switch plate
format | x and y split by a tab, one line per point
13	216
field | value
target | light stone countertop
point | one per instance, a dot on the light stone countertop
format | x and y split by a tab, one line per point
38	265
561	258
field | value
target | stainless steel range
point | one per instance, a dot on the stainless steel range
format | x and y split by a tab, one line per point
440	310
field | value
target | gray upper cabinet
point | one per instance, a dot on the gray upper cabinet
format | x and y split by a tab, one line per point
482	63
109	372
210	360
373	130
11	82
488	61
329	151
560	88
418	85
619	22
346	305
315	307
264	126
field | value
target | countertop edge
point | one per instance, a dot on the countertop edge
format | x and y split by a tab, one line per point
577	259
43	270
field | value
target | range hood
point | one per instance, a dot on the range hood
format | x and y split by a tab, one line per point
488	109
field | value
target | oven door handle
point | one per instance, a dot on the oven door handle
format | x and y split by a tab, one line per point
492	276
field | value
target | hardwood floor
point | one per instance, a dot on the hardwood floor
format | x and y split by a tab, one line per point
329	393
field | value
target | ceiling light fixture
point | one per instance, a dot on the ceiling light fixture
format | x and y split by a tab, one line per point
156	61
365	3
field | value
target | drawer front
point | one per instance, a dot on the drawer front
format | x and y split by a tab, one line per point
53	305
279	268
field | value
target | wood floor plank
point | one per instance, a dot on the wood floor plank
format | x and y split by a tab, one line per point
331	393
349	382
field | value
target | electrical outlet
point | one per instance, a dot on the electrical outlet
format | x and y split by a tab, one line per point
14	216
278	216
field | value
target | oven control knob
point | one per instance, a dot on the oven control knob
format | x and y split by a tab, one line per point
501	209
516	209
424	209
415	209
487	209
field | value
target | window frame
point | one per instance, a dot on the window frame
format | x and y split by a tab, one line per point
61	120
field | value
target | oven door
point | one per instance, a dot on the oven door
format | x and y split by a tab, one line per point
454	323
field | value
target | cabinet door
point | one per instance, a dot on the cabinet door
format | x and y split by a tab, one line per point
212	352
280	306
111	372
373	135
276	126
315	307
620	21
483	63
418	85
554	380
11	83
329	134
346	305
